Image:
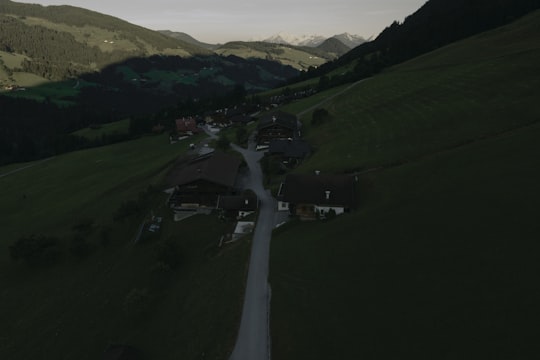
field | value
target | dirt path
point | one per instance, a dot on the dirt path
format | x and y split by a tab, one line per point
25	167
314	107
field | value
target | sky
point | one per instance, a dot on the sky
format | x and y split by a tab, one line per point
219	21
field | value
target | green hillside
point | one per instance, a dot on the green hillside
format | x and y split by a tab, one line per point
475	88
439	259
63	41
102	289
300	58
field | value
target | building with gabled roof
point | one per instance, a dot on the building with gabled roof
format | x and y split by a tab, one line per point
277	125
314	195
198	182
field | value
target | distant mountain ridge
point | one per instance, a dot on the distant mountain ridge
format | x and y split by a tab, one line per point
351	41
189	39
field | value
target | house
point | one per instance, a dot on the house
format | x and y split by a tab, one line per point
277	125
310	196
199	182
187	126
291	152
238	206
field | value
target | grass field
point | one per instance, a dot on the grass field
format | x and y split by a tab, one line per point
438	262
407	111
440	258
117	127
77	307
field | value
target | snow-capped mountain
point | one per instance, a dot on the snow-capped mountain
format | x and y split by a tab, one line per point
314	40
297	40
349	40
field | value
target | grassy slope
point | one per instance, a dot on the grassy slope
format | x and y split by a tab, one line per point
477	87
438	261
298	58
117	127
75	309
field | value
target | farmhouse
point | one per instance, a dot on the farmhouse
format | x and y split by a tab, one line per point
238	206
199	182
187	126
278	125
311	196
290	152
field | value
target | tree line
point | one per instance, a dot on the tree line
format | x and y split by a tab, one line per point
436	24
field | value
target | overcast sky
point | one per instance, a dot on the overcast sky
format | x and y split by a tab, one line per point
219	21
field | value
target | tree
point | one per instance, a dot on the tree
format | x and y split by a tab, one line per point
223	142
320	116
241	135
36	250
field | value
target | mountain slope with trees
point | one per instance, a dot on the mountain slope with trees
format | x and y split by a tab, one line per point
435	24
64	41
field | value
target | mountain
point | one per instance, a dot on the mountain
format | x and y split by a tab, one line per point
334	46
188	39
62	41
301	40
436	24
351	41
299	57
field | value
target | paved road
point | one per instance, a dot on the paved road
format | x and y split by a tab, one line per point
253	340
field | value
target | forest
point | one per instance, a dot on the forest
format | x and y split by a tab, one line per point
436	24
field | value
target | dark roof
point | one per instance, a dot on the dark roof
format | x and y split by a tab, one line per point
281	118
313	189
215	167
243	119
240	203
188	124
290	148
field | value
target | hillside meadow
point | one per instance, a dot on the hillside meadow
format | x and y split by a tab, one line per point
172	295
439	260
463	92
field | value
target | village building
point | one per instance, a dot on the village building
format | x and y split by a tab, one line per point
312	196
278	125
187	126
289	152
238	206
199	182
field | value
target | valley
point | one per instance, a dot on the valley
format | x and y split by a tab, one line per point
435	258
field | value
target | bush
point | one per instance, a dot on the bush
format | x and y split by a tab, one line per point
223	142
36	250
320	116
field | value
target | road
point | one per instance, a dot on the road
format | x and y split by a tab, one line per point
253	341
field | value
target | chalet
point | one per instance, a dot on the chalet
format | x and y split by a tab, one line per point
238	206
312	196
290	152
187	126
199	182
278	125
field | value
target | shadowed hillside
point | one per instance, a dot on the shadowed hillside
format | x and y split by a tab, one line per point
440	258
